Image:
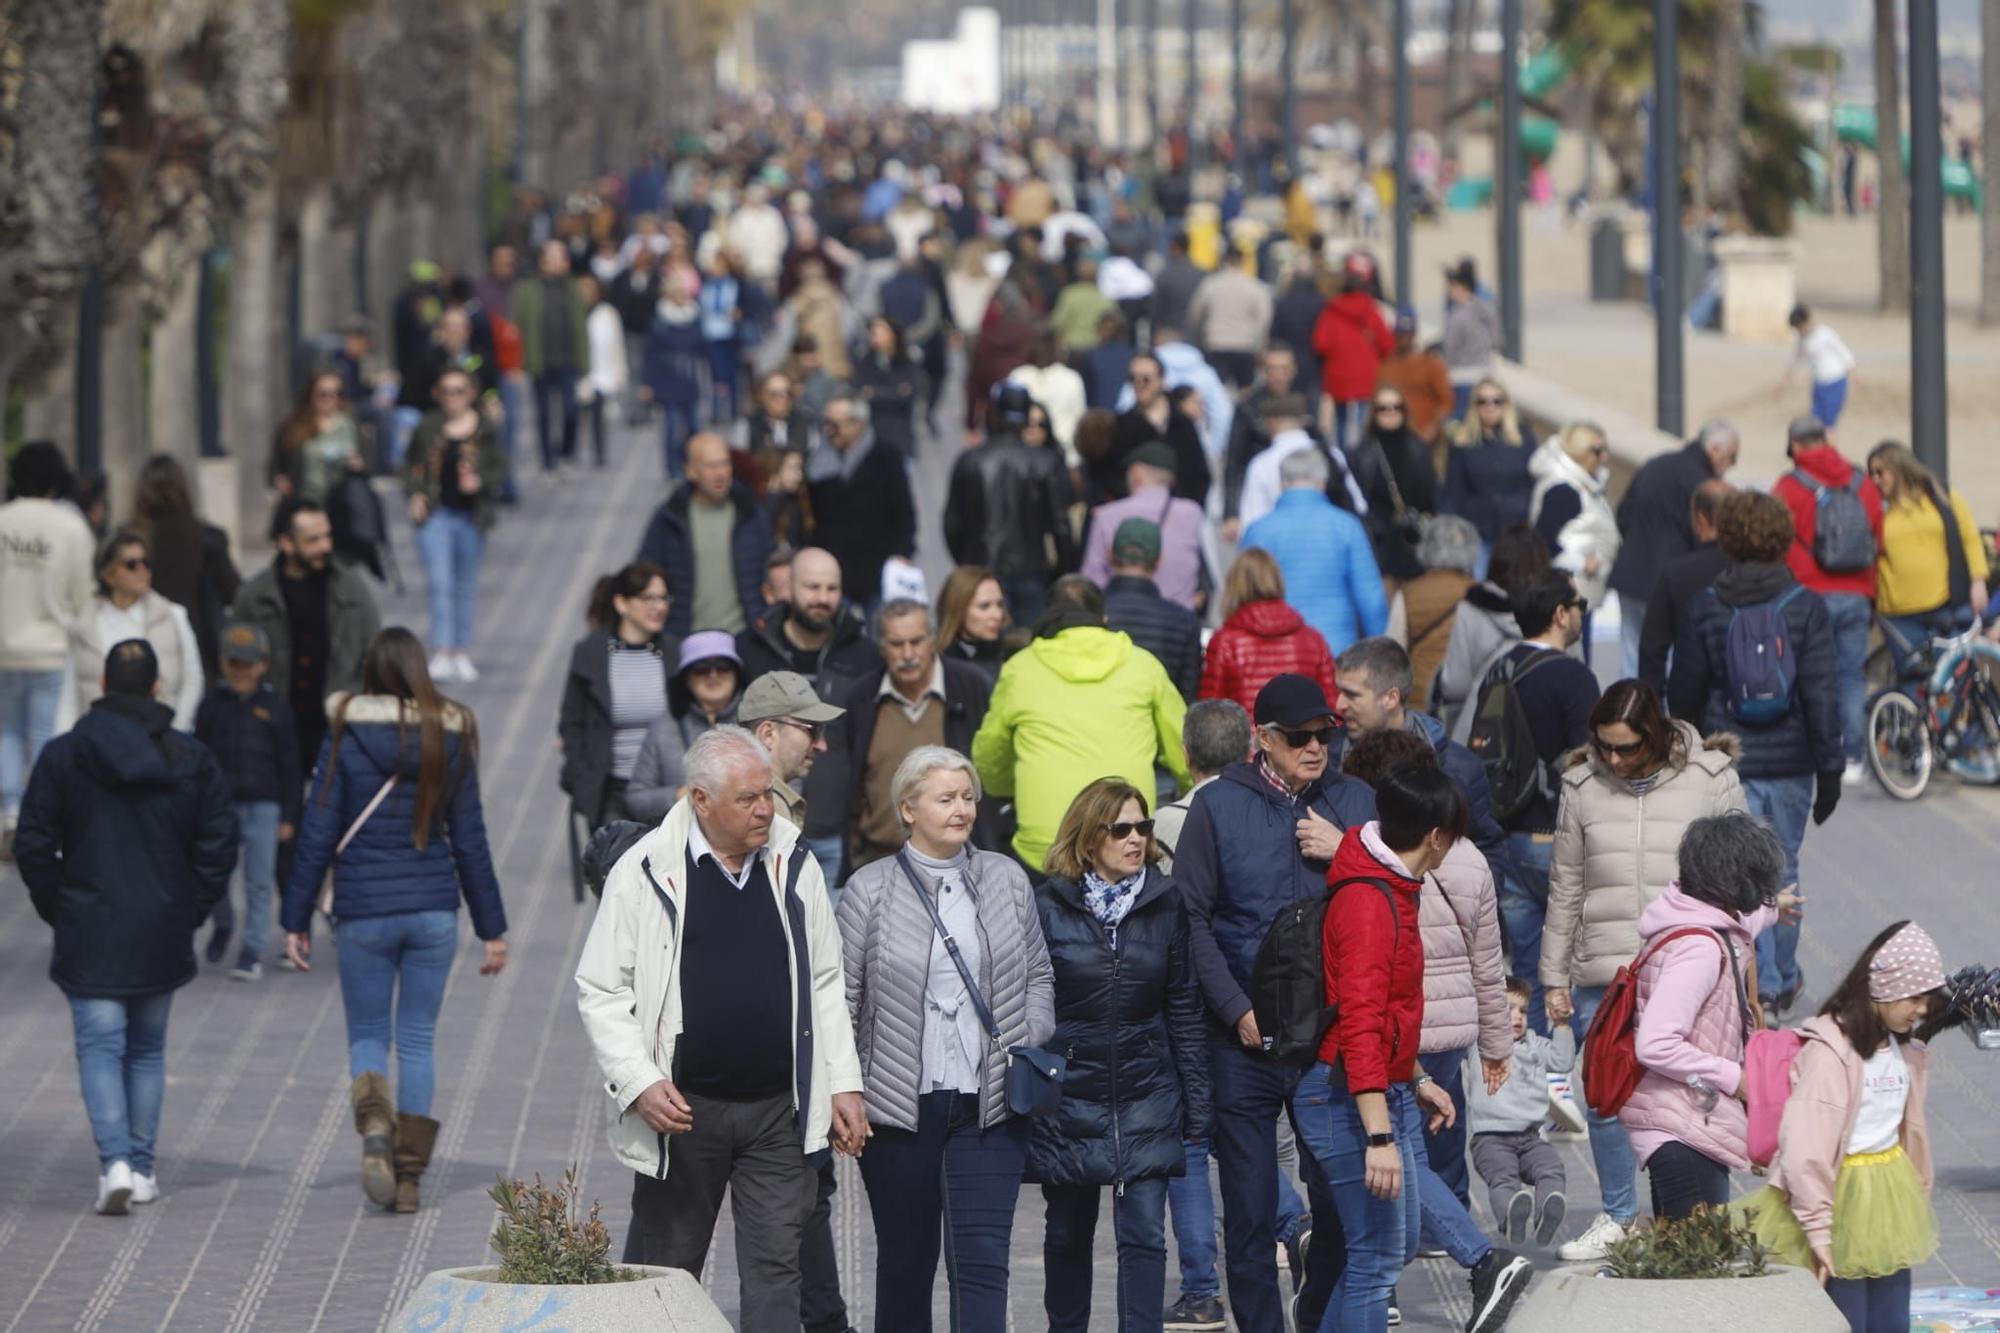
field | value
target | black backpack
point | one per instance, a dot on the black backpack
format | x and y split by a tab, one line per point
1288	980
1501	737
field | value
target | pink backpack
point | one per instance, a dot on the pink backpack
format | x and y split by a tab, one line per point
1767	1082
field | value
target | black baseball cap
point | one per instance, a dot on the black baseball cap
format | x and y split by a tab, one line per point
1291	700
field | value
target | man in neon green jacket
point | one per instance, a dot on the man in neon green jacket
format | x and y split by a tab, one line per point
1079	703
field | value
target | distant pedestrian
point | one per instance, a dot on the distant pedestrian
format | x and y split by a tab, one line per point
1485	620
1429	603
1930	576
127	607
126	840
1351	342
555	349
1472	334
618	685
863	511
1680	581
1655	527
1150	492
1006	507
1134	605
1324	553
971	617
1420	375
701	696
454	474
710	539
1569	508
1486	477
1826	357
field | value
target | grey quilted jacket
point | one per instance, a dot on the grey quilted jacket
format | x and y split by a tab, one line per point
886	949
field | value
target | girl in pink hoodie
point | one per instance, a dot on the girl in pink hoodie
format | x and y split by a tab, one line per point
1850	1187
1685	1121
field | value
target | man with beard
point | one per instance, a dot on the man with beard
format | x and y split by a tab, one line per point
317	615
821	637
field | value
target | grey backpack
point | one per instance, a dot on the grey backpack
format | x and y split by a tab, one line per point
1843	539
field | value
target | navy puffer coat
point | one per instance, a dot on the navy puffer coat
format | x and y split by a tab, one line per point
1129	1023
383	872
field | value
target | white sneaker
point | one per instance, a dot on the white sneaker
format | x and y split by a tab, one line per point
114	1190
145	1189
1562	1105
442	666
462	664
1591	1245
1855	774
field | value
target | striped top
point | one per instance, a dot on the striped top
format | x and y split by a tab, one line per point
638	699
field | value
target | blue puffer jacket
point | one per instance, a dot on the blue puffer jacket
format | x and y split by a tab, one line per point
1238	864
1807	739
383	872
1331	578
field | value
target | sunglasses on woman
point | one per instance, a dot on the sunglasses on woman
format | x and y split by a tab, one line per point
1491	402
1125	828
136	563
1611	750
1388	407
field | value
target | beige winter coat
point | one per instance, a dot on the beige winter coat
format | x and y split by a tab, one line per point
1615	852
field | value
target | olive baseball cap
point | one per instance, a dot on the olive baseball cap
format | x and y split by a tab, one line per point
784	694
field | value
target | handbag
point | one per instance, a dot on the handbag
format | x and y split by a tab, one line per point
325	899
1034	1076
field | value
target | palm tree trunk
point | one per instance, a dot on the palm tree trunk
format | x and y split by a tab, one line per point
124	395
173	396
1892	233
48	408
1989	189
1723	142
251	391
318	262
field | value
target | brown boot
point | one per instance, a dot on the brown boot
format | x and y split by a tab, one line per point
375	1122
415	1135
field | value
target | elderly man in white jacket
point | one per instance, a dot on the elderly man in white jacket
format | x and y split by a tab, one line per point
719	1075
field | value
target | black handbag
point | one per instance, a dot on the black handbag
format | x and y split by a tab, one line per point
1034	1076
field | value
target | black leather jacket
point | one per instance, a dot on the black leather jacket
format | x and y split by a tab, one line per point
1005	498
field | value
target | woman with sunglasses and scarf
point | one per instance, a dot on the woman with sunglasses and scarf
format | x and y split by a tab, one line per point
1627	797
1392	465
127	606
1129	1021
1486	475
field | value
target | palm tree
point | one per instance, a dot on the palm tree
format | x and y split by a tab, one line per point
1892	202
1722	139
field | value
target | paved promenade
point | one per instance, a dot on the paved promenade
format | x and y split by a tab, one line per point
263	1226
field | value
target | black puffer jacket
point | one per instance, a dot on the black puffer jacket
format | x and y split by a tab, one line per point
1006	499
1129	1023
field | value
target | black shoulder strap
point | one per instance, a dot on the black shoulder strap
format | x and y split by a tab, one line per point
951	947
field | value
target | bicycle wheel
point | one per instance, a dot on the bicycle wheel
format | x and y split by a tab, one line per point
1899	745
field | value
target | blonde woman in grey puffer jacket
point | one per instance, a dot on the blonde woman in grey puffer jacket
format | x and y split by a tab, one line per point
933	1081
1626	800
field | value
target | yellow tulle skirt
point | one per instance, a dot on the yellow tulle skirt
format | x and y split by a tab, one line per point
1882	1219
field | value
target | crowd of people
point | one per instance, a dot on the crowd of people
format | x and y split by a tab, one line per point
1256	597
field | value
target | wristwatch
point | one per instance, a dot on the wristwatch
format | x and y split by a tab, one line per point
1381	1140
1418	1082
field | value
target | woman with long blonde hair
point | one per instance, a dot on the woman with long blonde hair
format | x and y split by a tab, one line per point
1930	572
1486	475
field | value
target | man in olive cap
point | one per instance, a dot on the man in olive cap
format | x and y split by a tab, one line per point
790	719
1149	483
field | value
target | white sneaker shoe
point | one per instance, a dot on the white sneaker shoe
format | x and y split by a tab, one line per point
442	666
462	665
1855	774
1591	1245
114	1190
145	1189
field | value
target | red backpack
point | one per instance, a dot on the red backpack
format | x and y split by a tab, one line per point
1611	1068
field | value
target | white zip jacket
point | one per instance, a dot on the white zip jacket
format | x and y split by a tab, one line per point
629	995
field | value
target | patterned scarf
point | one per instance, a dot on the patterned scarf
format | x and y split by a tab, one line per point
1111	902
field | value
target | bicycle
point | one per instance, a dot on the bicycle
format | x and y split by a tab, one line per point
1950	711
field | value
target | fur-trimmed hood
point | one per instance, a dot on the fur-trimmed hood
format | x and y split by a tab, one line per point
1723	746
389	710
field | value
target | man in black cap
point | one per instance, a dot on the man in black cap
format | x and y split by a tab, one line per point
1256	840
1008	506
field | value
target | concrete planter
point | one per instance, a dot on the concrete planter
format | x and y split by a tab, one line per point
468	1300
1568	1299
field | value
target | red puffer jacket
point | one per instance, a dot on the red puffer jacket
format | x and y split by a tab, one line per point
1352	342
1374	966
1262	640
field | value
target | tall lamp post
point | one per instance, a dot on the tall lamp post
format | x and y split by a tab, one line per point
1508	179
1929	421
1404	296
1668	248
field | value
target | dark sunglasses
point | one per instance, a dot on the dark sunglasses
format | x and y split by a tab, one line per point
812	729
1582	605
1298	740
1124	828
1491	402
1608	750
136	562
716	667
1388	407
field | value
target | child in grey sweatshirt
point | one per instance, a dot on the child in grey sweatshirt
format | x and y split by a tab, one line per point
1520	1167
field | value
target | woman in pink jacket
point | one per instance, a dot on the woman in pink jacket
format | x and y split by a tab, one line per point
1850	1187
1686	1124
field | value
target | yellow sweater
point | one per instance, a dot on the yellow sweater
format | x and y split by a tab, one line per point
1913	571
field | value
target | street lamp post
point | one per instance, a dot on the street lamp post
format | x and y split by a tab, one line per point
1507	203
1152	71
1928	419
1288	122
1402	68
1236	78
1191	90
1669	249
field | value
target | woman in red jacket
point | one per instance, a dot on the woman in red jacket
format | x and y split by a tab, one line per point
1352	341
1261	637
1352	1108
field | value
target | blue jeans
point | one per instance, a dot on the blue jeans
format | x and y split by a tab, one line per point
402	425
1445	1219
396	963
946	1186
830	851
259	822
1914	633
28	703
1829	399
1852	616
555	409
1610	1148
1785	804
679	421
1138	1225
1631	624
452	546
1445	1149
1523	898
121	1054
1380	1234
1191	1206
725	368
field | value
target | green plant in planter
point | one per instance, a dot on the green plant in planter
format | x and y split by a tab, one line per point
544	1238
1711	1243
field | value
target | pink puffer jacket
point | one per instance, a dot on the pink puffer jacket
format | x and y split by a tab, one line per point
1693	1023
1819	1119
1465	984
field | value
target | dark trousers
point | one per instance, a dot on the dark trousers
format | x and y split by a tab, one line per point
596	413
1251	1092
1683	1180
1446	1145
1026	595
1508	1161
751	1150
821	1308
947	1185
555	408
1139	1224
1873	1304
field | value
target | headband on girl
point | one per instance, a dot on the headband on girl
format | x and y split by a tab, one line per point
1907	964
